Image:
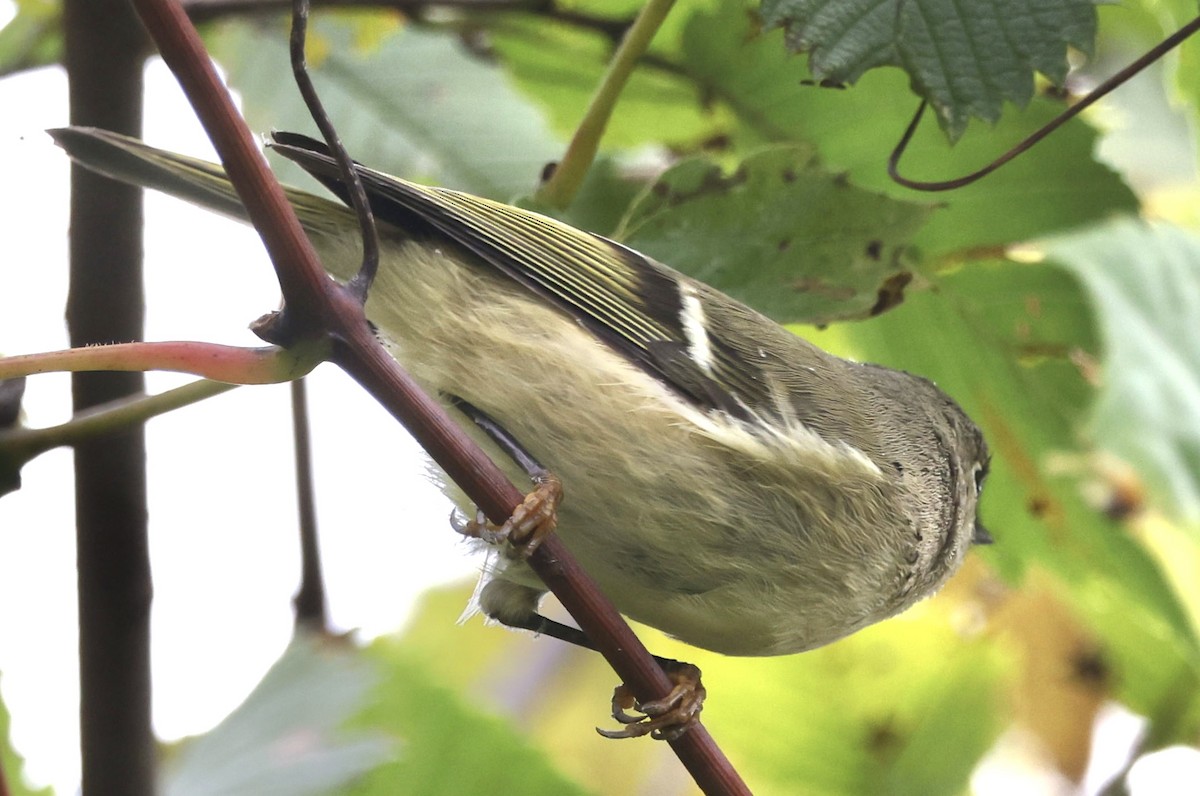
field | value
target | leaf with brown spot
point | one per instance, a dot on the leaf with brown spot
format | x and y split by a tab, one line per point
782	233
891	292
1064	680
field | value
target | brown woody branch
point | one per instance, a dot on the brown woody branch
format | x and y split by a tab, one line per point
103	51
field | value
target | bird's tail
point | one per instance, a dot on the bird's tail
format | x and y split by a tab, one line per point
197	181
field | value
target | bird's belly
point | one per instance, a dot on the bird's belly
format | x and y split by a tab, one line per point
687	522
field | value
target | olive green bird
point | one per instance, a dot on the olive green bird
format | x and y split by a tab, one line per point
724	480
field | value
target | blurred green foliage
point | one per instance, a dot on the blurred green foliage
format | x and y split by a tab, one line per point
1061	323
11	763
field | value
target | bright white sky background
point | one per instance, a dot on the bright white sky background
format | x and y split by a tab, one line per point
222	502
223	538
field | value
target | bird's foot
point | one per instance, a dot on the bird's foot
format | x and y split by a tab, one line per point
662	719
530	523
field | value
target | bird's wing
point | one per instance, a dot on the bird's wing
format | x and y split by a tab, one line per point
640	307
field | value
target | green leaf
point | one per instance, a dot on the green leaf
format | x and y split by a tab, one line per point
1056	186
33	37
1184	63
1144	281
866	715
1147	133
450	747
11	763
286	738
783	234
554	692
416	104
966	57
856	717
560	67
330	718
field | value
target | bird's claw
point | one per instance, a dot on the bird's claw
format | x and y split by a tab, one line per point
662	719
530	523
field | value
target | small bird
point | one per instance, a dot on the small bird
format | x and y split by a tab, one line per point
723	479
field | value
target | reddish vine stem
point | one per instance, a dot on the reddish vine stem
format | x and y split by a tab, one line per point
1152	55
360	285
230	364
316	305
